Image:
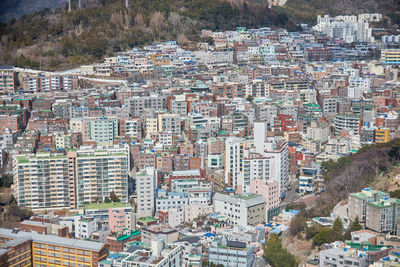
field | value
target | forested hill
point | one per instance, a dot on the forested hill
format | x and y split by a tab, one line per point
11	9
61	39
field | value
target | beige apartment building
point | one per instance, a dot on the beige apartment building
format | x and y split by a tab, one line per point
56	181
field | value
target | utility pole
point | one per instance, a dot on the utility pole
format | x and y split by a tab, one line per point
127	3
69	5
79	4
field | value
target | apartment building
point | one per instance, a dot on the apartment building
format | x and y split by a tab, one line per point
45	250
8	80
84	226
146	191
234	149
269	189
42	181
383	216
278	153
51	83
138	105
171	200
169	123
254	166
357	206
103	130
318	132
390	56
81	125
119	219
341	257
347	121
54	180
100	171
131	128
241	209
231	253
382	135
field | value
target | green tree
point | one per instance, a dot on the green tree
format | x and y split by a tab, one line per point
250	98
326	235
114	197
277	255
6	181
338	225
107	200
395	194
355	226
311	231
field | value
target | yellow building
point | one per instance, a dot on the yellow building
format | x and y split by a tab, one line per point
49	250
382	135
390	56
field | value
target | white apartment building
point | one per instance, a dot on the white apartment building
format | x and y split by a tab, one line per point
199	195
244	210
84	226
347	28
255	166
146	191
231	253
234	149
318	132
173	200
278	153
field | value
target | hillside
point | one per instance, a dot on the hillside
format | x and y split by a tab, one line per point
355	172
12	9
61	39
54	38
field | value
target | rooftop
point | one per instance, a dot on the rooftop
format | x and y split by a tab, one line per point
94	206
128	236
53	240
147	219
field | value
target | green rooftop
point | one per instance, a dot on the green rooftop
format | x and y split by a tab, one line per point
311	105
22	159
128	236
367	246
384	203
249	196
94	206
147	219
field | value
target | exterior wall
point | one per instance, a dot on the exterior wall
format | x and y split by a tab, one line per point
116	220
241	209
34	193
146	184
270	191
